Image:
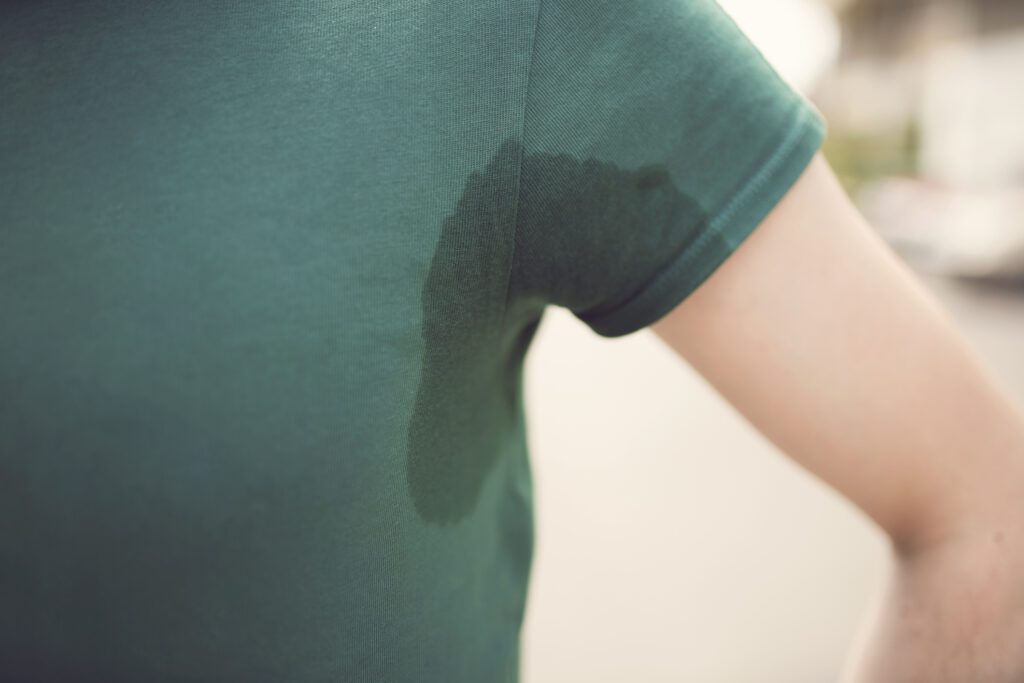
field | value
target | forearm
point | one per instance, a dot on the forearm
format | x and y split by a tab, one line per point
953	607
951	613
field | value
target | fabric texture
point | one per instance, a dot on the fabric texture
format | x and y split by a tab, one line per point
268	275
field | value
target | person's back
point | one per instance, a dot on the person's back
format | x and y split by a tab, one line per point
268	274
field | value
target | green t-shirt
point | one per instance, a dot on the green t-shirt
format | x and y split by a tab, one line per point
268	272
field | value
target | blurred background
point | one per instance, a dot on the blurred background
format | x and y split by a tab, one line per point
674	542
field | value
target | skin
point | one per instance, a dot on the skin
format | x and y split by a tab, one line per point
826	342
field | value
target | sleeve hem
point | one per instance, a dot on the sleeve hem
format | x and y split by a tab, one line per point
726	229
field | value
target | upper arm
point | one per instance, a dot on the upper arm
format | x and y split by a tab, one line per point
827	343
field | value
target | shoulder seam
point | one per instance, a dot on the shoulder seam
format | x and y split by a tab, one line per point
519	163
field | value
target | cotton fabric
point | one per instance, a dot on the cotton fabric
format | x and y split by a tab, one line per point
268	275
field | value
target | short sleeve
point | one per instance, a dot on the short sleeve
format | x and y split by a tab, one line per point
655	139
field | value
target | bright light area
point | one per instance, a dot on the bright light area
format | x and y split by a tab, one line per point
799	37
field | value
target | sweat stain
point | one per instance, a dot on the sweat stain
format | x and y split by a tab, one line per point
480	310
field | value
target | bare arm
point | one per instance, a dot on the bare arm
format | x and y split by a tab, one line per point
830	346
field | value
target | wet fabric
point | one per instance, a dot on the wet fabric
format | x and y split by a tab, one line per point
268	274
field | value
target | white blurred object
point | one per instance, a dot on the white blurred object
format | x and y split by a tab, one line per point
971	113
800	38
871	96
947	231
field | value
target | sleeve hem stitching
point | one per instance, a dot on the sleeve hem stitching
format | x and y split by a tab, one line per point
805	129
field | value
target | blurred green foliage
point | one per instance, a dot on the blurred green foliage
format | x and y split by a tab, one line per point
860	158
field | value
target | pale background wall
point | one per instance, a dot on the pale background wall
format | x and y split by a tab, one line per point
675	543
